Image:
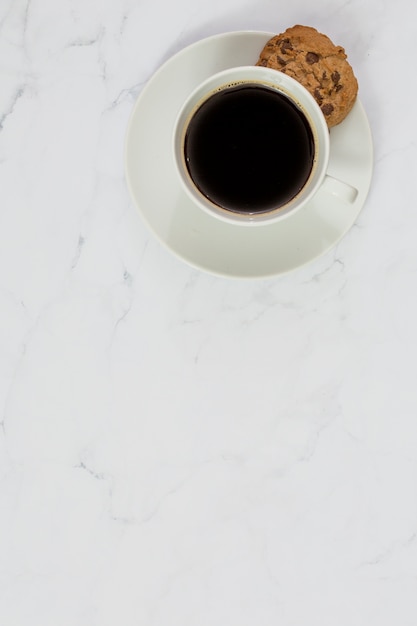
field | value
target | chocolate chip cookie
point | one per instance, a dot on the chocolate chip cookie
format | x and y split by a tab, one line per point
311	58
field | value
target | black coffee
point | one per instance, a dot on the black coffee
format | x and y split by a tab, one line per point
249	149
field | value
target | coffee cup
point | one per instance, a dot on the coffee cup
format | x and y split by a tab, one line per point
251	147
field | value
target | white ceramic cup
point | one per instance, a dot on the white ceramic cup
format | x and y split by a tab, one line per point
293	90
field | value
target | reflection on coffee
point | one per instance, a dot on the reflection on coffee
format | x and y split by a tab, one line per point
249	149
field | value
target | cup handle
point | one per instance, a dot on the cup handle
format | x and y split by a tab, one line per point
338	188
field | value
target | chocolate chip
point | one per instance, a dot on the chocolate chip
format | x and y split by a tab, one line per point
335	77
286	45
312	57
327	109
318	95
338	88
281	60
324	77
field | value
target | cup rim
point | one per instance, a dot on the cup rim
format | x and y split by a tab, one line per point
276	80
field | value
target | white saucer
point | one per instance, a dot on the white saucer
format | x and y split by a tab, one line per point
204	241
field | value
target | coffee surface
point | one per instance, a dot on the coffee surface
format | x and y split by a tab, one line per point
248	148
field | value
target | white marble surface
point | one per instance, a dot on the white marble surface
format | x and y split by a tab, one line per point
178	448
